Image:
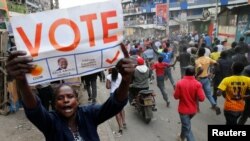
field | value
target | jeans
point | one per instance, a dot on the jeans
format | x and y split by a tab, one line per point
168	74
14	107
91	83
231	117
161	86
215	93
207	89
186	131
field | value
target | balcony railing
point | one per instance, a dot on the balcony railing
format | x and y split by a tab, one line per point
197	2
147	8
203	2
138	22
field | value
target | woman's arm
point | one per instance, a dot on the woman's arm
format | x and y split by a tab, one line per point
17	66
108	84
126	68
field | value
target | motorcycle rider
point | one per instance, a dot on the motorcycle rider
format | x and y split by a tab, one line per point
139	80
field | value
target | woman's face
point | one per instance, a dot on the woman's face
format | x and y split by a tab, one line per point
66	102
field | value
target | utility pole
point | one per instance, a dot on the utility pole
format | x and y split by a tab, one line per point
168	19
56	4
51	4
216	19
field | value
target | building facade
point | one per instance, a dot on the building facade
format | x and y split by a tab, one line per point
38	5
184	16
243	23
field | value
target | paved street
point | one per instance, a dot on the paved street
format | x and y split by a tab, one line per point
71	38
166	123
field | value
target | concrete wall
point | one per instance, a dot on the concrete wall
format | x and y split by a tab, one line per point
243	23
227	33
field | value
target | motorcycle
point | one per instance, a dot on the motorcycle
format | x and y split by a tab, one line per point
144	103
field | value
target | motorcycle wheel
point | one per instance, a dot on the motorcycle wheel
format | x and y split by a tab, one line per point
147	114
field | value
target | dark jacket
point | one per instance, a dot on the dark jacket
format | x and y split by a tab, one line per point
55	128
222	70
243	46
239	57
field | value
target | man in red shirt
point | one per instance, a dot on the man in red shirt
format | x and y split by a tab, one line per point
160	71
189	91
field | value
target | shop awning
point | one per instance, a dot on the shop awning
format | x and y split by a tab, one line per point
236	6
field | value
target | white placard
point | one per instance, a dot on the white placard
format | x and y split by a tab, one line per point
72	42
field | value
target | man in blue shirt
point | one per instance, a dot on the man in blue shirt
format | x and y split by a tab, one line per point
148	56
208	41
69	121
167	58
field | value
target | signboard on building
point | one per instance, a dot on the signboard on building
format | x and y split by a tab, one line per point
184	4
190	1
161	14
3	14
224	2
71	42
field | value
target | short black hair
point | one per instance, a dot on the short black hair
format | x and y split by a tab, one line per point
242	39
61	59
64	84
184	49
201	52
234	44
237	67
224	54
189	70
217	42
167	44
196	45
165	50
160	59
215	49
203	45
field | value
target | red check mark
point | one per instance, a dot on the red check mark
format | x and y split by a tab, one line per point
114	59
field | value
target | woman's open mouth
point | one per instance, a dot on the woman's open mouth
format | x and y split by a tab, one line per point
67	109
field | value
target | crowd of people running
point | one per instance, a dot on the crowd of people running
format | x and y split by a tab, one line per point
208	68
